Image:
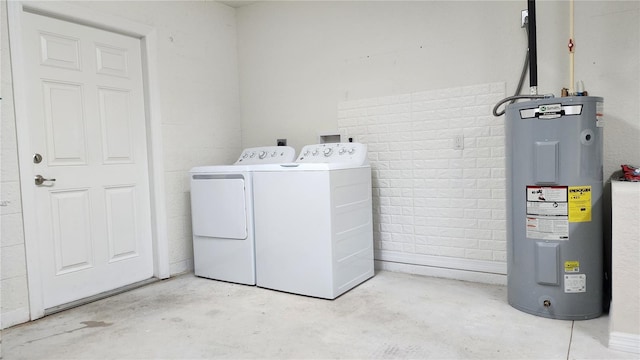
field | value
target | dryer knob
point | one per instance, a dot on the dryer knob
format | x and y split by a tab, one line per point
327	152
262	155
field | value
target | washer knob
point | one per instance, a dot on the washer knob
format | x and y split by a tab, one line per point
342	151
262	155
253	154
245	155
327	152
273	154
352	150
306	153
315	152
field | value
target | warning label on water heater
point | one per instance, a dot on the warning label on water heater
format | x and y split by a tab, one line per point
579	203
547	213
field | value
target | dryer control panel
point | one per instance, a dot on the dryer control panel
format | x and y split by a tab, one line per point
344	153
266	155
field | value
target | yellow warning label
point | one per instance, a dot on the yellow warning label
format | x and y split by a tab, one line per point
571	266
579	203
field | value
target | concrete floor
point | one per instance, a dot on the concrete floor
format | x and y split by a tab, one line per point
391	316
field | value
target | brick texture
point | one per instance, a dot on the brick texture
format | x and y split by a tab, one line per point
428	197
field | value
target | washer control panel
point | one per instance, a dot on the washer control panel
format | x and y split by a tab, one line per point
266	155
348	153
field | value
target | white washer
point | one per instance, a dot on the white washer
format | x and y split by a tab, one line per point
222	215
313	221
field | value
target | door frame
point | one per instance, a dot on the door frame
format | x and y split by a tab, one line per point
148	38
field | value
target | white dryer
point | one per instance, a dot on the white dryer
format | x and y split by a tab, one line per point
313	221
222	215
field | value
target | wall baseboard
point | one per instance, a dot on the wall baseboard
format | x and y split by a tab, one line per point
489	272
14	317
624	342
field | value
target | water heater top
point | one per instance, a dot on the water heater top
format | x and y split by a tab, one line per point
553	108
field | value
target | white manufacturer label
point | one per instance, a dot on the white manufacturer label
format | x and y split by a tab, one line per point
547	193
575	283
549	116
548	228
547	208
547	213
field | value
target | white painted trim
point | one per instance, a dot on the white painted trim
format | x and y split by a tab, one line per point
483	266
155	149
624	342
14	317
14	20
464	275
147	34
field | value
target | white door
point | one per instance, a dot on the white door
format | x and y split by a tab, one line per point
86	120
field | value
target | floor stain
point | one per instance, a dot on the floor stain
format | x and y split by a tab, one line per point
87	325
93	324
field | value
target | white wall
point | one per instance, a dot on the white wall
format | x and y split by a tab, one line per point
299	60
198	80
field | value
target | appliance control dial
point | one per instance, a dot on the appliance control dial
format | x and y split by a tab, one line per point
245	155
342	151
274	154
352	150
315	152
327	152
253	154
262	154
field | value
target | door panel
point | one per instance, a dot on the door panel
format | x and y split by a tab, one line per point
219	208
111	60
87	121
116	125
121	222
71	230
64	117
60	51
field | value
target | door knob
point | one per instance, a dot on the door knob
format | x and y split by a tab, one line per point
39	180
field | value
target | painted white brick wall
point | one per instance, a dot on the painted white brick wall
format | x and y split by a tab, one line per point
430	199
13	271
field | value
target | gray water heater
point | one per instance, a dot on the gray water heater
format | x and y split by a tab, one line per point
554	207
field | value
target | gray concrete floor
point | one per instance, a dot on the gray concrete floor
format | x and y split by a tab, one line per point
391	316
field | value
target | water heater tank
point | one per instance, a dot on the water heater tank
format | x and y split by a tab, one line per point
554	207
